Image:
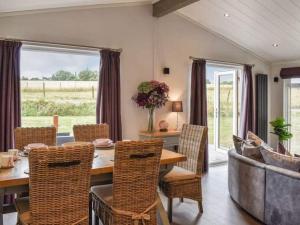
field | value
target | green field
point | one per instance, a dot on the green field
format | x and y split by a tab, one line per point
74	103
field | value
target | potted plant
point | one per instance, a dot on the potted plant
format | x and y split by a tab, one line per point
281	129
151	95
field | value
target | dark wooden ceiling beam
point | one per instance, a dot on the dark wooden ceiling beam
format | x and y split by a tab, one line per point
164	7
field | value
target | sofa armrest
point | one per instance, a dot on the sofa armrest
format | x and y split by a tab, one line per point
244	159
285	172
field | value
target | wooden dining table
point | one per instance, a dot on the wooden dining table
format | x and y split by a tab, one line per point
16	180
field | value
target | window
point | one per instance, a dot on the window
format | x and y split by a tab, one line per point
292	111
62	82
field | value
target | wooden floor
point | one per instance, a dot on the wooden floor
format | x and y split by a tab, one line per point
219	209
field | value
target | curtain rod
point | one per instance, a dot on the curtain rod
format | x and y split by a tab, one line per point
61	45
220	61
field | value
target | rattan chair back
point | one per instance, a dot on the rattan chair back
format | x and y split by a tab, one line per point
59	184
29	135
90	132
135	178
192	143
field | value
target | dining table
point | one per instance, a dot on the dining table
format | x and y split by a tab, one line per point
16	180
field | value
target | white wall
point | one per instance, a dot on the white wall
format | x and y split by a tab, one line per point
148	45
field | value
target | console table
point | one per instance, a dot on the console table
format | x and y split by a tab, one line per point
171	138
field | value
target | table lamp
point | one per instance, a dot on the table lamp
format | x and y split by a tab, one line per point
177	107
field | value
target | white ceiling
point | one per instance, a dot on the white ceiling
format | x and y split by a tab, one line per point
23	5
253	24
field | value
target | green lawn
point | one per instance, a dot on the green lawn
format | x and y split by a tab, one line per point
225	132
225	113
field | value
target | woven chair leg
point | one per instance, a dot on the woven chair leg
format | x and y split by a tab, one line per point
200	206
181	200
170	209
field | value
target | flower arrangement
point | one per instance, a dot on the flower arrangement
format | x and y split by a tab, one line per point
151	95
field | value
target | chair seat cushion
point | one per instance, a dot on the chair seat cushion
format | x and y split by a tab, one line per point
104	193
22	207
178	174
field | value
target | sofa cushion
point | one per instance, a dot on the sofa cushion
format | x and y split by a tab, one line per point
276	159
251	151
238	143
179	174
254	138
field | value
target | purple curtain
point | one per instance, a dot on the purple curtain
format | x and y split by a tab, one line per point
10	105
199	101
246	120
108	101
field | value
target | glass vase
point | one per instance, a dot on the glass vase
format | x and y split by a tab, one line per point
150	121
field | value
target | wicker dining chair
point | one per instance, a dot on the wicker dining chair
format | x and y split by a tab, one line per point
29	135
184	180
133	196
59	185
90	132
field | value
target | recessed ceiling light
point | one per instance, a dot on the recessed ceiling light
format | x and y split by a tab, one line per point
275	45
226	14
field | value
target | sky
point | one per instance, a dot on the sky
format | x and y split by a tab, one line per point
45	63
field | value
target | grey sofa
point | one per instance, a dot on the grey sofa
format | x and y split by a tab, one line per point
271	194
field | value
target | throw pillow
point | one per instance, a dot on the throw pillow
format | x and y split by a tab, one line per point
238	143
251	151
276	159
253	137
